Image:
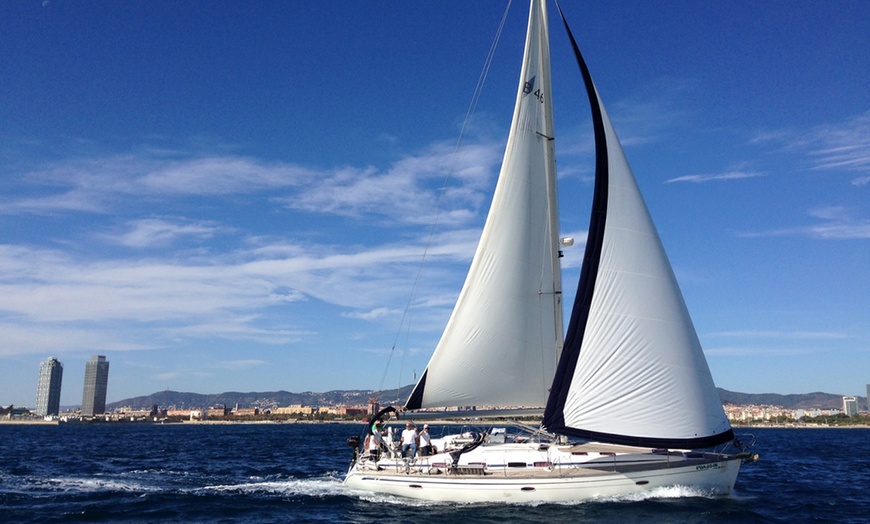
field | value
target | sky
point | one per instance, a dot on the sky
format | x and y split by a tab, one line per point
237	196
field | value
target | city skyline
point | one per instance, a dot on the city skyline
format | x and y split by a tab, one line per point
237	196
50	372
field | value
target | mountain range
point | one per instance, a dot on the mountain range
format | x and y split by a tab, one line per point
264	400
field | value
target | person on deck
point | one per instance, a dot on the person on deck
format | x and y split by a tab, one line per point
409	441
390	442
374	441
425	442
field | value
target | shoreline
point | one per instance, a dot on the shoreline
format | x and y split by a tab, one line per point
37	422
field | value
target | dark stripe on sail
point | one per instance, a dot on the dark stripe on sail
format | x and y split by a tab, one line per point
553	416
415	401
652	442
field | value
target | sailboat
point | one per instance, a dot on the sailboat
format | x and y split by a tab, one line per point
629	404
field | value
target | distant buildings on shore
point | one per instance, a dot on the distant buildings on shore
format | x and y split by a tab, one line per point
48	388
750	413
97	379
95	387
850	406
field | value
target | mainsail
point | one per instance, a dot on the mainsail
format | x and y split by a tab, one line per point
503	338
632	371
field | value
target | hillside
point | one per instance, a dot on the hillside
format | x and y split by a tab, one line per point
179	400
795	401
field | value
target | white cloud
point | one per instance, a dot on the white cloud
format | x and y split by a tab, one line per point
838	223
100	184
757	352
229	295
149	232
204	275
236	364
844	146
373	314
409	190
650	115
221	176
788	335
728	175
20	336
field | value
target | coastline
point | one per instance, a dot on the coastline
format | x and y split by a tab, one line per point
39	422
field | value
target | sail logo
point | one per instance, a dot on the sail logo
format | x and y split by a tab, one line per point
529	85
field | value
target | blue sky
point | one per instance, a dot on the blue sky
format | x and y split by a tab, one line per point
235	196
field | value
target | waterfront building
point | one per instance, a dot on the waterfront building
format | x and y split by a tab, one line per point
868	397
295	409
850	406
48	388
96	384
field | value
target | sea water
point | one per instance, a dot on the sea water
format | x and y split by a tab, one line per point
293	473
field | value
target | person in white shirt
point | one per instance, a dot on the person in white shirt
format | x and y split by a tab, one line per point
425	442
409	441
390	442
374	441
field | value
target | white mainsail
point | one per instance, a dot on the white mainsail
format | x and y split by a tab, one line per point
503	338
632	371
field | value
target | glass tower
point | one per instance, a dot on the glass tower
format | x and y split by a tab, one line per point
850	406
48	388
96	383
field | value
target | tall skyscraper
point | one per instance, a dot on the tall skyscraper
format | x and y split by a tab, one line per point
850	406
48	388
96	383
868	397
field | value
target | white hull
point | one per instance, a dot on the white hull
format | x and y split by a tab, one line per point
564	480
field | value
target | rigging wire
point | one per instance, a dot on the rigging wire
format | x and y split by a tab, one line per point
408	311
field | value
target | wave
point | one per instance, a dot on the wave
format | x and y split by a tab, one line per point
91	485
323	486
667	492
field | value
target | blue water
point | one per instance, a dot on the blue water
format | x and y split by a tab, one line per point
292	473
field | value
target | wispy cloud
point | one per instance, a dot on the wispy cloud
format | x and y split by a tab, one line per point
373	314
221	176
150	232
772	343
759	351
410	190
728	175
787	335
22	336
650	115
62	300
236	364
843	146
837	223
101	184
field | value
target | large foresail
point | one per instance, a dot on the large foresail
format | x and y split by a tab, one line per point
501	343
632	370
